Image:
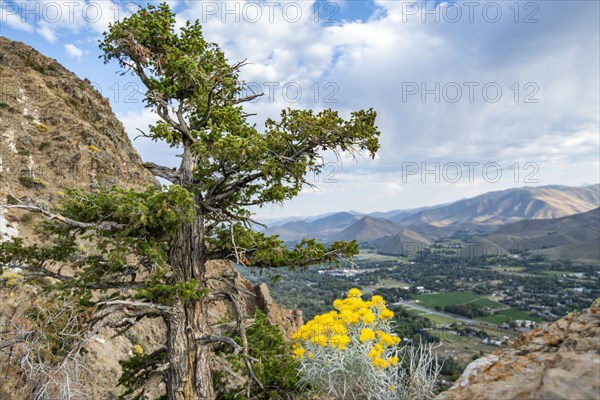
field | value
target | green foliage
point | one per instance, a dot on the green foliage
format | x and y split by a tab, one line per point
43	146
179	66
152	213
42	128
270	252
137	369
10	278
451	368
16	252
26	218
35	66
276	368
27	181
60	321
171	293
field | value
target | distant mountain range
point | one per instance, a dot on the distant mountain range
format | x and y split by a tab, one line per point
494	216
576	237
495	208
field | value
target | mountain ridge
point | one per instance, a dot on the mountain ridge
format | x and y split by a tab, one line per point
479	215
575	237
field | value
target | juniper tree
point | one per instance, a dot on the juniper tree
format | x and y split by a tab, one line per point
152	246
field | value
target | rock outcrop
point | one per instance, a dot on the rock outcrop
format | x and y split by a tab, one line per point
56	132
560	360
255	297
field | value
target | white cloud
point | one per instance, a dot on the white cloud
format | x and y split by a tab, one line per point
73	50
47	33
369	63
157	152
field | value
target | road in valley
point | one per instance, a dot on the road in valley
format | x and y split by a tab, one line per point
413	305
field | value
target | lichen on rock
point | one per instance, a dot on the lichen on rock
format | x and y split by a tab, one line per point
559	360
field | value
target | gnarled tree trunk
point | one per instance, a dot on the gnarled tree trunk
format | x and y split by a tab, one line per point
189	375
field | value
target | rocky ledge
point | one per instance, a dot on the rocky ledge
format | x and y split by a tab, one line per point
560	360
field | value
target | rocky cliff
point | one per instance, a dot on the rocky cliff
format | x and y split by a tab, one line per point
560	360
57	132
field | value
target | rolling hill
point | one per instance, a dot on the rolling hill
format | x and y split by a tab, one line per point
368	229
576	237
511	205
321	228
405	242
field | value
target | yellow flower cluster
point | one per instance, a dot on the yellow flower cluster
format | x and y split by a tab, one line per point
366	334
323	330
137	349
299	352
331	329
380	362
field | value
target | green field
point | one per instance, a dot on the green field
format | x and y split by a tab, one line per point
443	299
388	283
508	315
463	348
438	319
485	302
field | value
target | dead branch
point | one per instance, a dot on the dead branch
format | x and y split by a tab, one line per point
135	304
103	226
170	174
230	328
239	315
207	338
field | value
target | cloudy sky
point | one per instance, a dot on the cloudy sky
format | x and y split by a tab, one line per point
471	96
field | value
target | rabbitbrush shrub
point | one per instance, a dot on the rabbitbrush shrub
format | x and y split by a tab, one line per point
351	353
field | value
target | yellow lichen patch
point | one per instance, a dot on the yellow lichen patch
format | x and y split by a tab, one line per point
10	278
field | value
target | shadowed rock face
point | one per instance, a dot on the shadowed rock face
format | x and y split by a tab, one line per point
560	360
